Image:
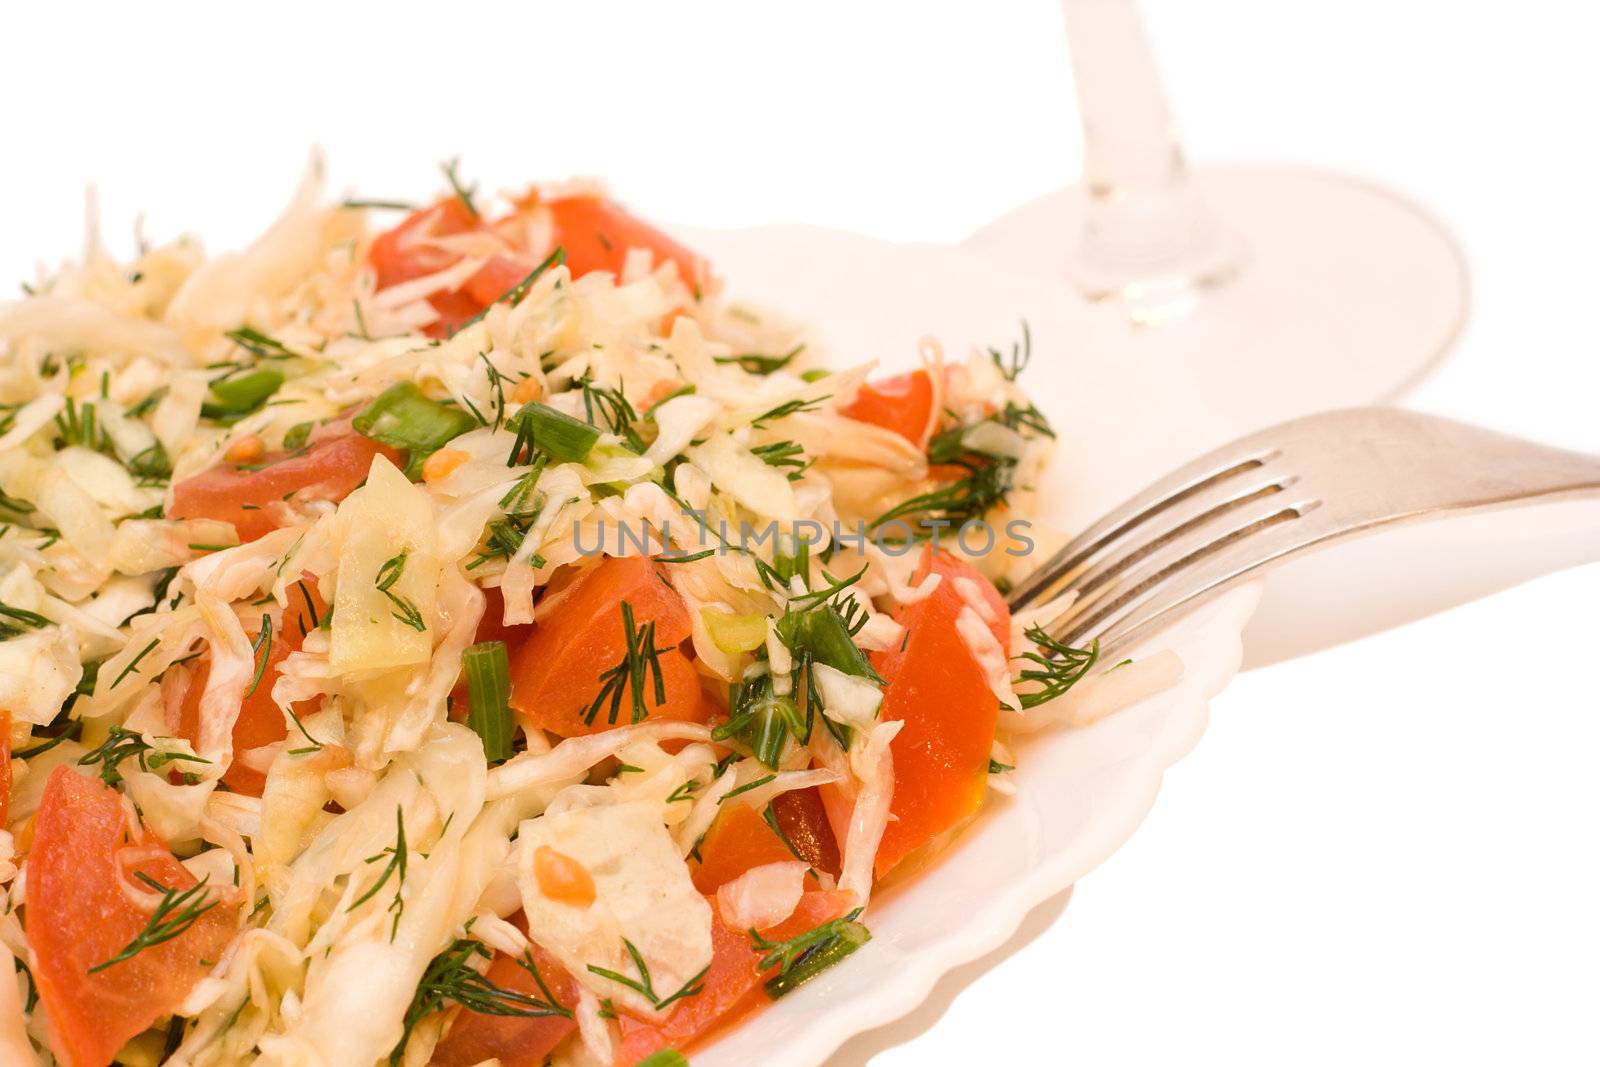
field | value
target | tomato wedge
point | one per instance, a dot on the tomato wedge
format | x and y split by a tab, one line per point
513	1040
741	838
255	498
260	721
413	249
491	627
732	987
80	915
597	235
556	672
937	688
902	403
738	840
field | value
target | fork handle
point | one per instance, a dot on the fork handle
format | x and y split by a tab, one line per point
1370	584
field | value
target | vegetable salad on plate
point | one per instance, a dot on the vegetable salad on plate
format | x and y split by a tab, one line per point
458	633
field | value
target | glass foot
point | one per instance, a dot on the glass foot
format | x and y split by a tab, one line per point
1325	292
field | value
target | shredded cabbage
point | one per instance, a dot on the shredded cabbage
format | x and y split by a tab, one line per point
186	574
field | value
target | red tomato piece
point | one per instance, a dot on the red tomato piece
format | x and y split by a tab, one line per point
804	822
255	498
413	249
260	720
902	403
597	235
79	915
497	277
740	839
514	1040
732	985
937	688
555	673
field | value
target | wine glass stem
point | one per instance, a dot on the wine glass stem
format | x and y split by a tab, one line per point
1144	222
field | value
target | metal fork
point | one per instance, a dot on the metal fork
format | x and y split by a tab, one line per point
1277	494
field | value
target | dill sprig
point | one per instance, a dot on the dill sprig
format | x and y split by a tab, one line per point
1012	364
514	295
262	648
643	985
77	425
404	610
377	205
152	466
756	363
817	597
521	493
609	409
173	915
761	720
504	539
684	792
463	193
769	575
123	744
14	621
785	455
641	662
803	957
497	382
787	408
259	344
504	536
754	783
311	607
987	478
1057	666
312	744
451	979
397	854
11	503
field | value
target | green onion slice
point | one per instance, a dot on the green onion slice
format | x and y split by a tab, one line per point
666	1057
566	439
402	417
488	672
241	394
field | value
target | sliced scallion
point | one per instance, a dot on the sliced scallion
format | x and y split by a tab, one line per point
802	958
402	417
296	436
832	644
566	439
240	394
665	1057
488	673
735	633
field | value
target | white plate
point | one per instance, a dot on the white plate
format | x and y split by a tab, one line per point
1080	793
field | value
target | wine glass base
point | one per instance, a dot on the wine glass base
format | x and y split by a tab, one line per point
1341	294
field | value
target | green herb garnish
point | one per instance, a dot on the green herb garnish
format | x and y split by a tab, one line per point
173	915
488	672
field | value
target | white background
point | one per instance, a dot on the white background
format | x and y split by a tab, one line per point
1386	853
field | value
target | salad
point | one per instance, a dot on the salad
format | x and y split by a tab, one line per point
458	633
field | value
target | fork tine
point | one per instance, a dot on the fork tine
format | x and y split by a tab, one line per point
1182	520
1164	575
1214	526
1213	472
